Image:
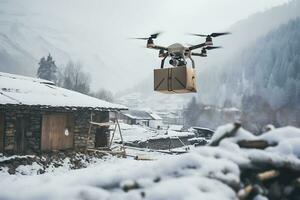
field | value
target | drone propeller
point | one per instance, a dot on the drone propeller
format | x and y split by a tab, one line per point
212	34
155	35
152	36
212	47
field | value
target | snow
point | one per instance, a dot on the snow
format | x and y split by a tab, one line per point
175	127
15	89
105	180
155	116
28	170
203	173
5	158
133	133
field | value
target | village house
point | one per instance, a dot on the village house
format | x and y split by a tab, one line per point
37	116
141	117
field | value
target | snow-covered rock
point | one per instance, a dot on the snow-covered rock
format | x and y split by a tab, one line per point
204	173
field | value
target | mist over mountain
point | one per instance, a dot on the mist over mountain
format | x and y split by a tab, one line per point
263	82
216	72
96	33
270	63
33	29
245	34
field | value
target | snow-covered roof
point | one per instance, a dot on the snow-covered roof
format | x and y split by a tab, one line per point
202	128
155	116
21	90
141	115
137	114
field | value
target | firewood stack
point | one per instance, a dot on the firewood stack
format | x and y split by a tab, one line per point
264	179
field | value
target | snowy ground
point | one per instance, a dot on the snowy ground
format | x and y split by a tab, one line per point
204	173
133	133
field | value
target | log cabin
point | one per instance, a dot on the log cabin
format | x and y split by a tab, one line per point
37	116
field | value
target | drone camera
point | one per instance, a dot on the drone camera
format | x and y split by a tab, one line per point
173	62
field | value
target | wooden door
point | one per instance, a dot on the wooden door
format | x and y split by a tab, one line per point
101	137
57	132
1	132
21	128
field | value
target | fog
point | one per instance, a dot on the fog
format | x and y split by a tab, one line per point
96	32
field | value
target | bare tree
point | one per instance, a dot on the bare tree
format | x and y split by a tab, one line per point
74	78
104	95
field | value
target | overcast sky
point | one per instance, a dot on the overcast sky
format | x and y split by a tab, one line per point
102	27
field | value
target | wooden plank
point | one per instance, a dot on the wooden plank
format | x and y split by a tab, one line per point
1	133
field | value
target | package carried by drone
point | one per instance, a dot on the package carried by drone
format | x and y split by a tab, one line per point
175	80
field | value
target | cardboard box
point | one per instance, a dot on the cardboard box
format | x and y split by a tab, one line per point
175	80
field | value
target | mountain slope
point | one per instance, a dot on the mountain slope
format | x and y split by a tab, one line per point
269	68
263	80
212	70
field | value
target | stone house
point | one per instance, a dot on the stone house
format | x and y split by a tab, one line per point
37	116
141	117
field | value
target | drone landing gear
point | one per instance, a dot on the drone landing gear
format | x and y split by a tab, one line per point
163	62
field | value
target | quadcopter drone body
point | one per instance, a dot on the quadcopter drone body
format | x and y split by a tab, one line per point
179	53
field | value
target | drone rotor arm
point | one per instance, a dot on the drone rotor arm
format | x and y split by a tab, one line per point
196	46
198	54
153	46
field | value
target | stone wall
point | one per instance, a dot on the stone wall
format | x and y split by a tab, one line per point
32	127
81	128
9	131
162	143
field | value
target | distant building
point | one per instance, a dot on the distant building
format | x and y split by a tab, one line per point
36	116
141	117
202	132
171	117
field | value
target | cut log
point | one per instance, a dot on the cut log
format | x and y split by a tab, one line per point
142	157
267	175
244	193
255	144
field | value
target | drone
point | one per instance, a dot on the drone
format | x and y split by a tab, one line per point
179	53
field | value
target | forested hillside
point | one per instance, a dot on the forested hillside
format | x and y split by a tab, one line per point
263	80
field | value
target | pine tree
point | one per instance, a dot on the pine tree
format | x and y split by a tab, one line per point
47	69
